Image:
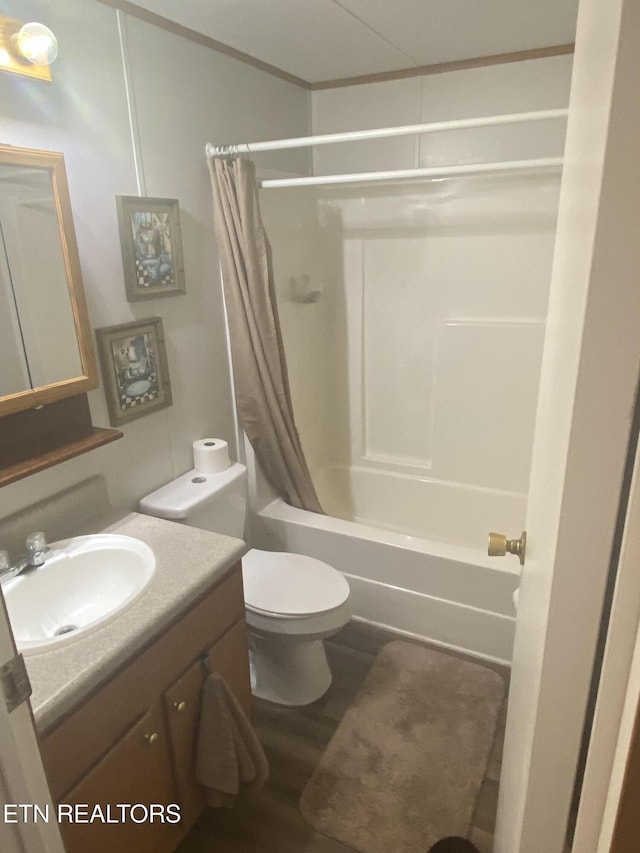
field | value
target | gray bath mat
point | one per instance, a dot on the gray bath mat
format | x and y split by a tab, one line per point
405	764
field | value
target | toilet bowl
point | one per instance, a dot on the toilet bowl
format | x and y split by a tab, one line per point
293	603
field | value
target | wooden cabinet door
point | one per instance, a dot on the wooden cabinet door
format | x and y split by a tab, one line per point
136	771
229	657
182	706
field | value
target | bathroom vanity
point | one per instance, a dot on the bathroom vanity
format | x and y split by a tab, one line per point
118	710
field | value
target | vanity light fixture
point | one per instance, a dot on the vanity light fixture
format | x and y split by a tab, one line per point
27	49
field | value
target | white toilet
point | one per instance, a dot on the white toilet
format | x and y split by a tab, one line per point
292	602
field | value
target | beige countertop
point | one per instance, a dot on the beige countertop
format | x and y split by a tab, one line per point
188	562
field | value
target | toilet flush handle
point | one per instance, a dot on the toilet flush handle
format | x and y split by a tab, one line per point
499	545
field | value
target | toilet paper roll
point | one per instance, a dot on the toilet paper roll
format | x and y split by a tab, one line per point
211	455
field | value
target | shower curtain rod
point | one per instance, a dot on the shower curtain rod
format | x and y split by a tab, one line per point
433	172
380	133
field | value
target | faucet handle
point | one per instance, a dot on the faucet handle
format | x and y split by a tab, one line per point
36	548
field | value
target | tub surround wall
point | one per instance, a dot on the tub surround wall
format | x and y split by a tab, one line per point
184	96
435	294
429	509
434	323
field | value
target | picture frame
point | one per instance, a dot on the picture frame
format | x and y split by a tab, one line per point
135	369
151	244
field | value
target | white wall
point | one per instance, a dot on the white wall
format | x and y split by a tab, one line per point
512	87
436	293
185	95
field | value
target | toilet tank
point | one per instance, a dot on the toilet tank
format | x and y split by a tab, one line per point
215	502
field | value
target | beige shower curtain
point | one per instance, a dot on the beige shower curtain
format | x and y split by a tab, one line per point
259	366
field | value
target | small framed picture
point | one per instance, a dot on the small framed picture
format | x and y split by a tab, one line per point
151	245
135	370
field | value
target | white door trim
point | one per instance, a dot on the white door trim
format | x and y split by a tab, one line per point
618	688
23	773
625	730
588	383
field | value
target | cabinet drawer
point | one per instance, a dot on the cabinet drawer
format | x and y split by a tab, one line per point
105	717
136	771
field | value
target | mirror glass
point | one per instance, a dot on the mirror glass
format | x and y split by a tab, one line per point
38	342
46	353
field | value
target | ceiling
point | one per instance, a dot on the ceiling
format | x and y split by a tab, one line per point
322	40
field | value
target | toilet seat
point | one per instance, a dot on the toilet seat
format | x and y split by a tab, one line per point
279	585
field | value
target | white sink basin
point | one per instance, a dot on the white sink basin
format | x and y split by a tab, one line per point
85	583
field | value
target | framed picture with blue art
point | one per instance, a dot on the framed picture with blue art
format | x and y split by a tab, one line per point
151	245
135	370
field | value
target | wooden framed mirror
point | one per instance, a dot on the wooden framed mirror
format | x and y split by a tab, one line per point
47	360
46	348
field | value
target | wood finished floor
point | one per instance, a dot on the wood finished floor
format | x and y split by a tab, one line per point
294	740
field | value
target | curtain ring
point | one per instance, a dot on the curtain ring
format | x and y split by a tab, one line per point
224	152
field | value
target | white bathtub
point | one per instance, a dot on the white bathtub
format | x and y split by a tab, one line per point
421	585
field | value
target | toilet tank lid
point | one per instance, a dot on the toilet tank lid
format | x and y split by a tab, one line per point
189	492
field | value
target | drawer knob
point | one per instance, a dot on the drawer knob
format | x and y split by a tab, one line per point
152	738
180	707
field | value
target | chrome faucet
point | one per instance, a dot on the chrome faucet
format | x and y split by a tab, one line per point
37	554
